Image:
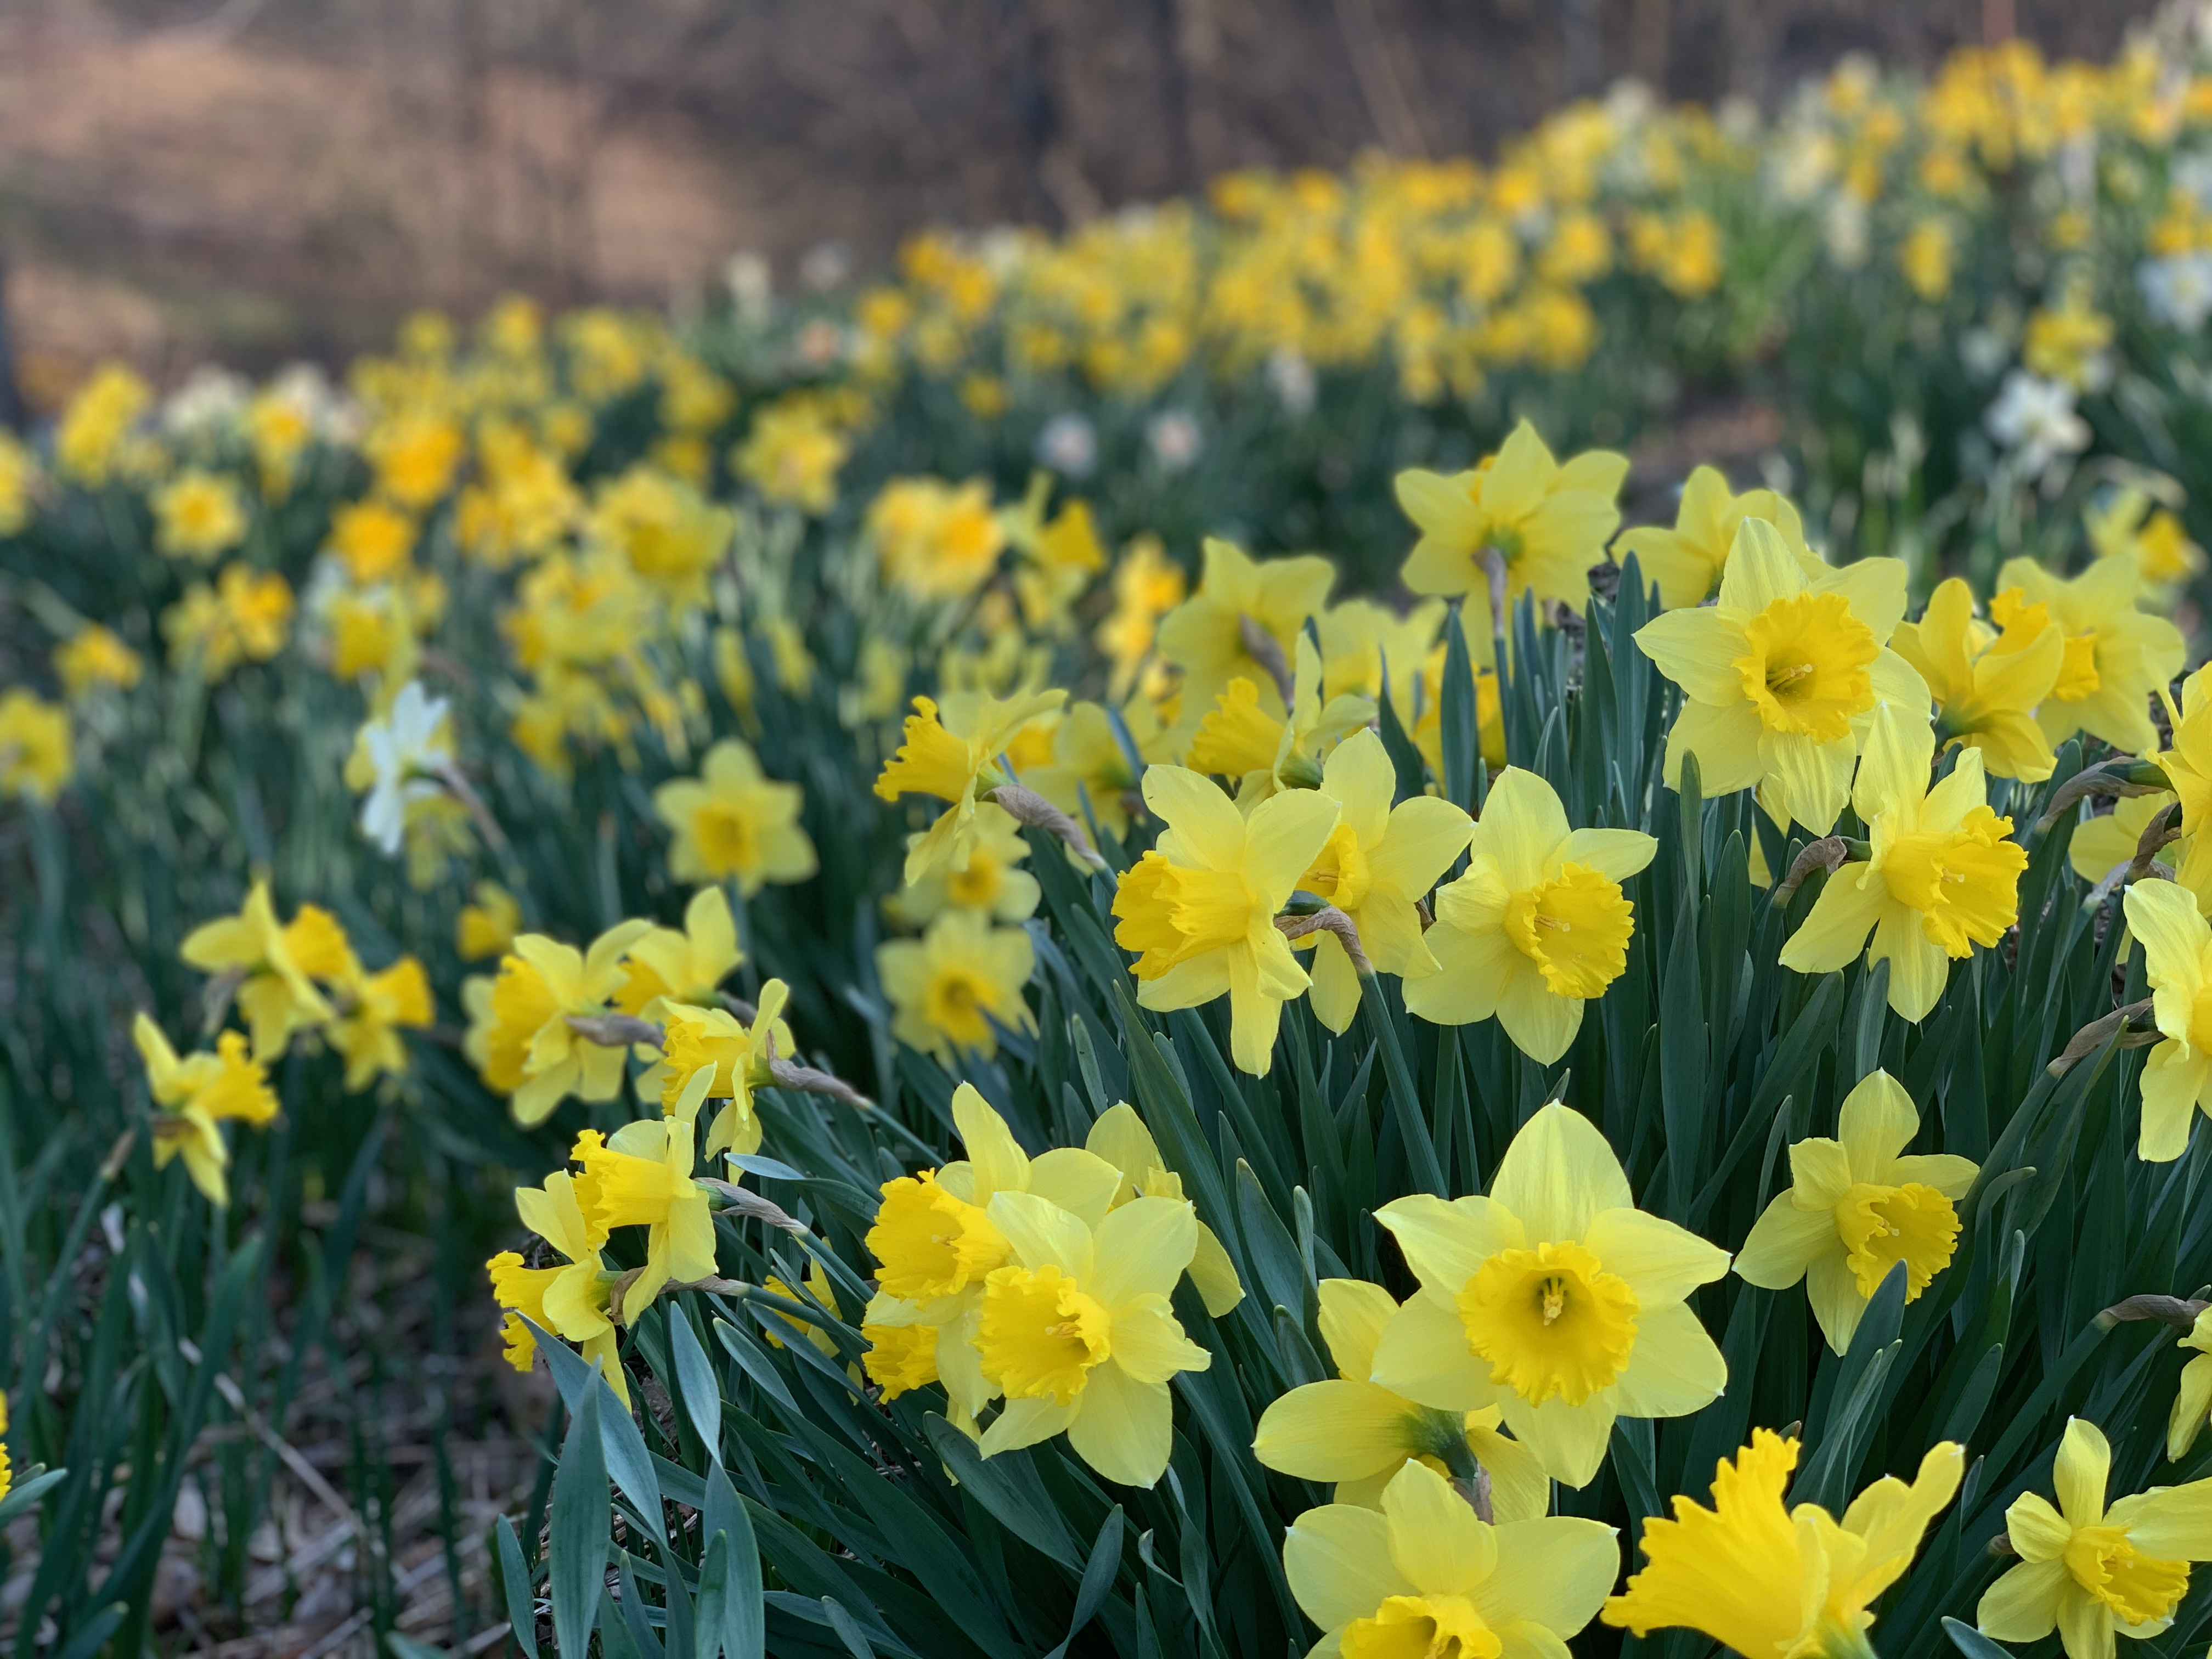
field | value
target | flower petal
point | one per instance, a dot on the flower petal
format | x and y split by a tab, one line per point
1522	822
1435	1539
1203	827
1444	1243
2022	1605
1660	1261
1044	1235
1424	1356
1674	1369
1338	1560
1140	1249
1877	1122
1353	1315
1559	1175
1335	1431
1552	1572
1698	650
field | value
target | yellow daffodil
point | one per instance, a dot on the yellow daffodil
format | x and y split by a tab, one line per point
641	1176
1200	907
2103	843
276	992
2188	763
1147	585
95	659
1360	638
936	1244
487	927
951	752
37	756
687	966
1547	523
1782	677
1857	1205
733	823
1380	862
1121	1137
1941	878
1076	1331
194	1095
990	885
952	987
530	1051
1535	926
1205	636
1425	707
1239	739
1986	684
2131	528
736	1052
2192	1401
936	540
1090	772
2117	656
2177	1076
671	535
1776	1584
375	1009
1356	1433
1555	1298
1422	1578
198	515
1686	562
569	1301
2091	1571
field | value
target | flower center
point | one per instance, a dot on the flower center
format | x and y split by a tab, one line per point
955	1004
2139	1588
1236	736
1172	915
978	885
1964	882
2077	672
1039	1334
1881	1226
1805	670
1340	874
929	1243
728	837
1550	1320
1422	1627
1575	926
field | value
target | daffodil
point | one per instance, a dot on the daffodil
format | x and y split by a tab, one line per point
2188	763
1206	636
2131	528
2192	1401
198	515
1422	1577
2177	1076
375	1008
1380	862
1200	907
2103	844
1076	1331
275	992
1356	1433
951	752
667	964
1361	640
1121	1137
1535	926
641	1176
935	1244
733	823
1941	878
2093	1571
1686	562
1781	678
1857	1205
1777	1583
990	887
569	1301
737	1054
487	926
530	1051
1987	684
1546	523
195	1094
409	754
1091	777
953	987
1555	1298
2117	655
37	757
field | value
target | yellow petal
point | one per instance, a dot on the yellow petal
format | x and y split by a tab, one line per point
1698	650
1435	1539
1336	1431
1203	828
1445	1241
2080	1472
1080	1182
1876	1122
2022	1605
1338	1561
1560	1173
1542	1023
1000	1165
1522	822
1552	1573
2173	1523
1285	836
1760	570
1661	1261
1140	1248
1785	1241
1570	1440
1214	1274
1353	1315
1674	1369
1835	931
1424	1356
1042	1235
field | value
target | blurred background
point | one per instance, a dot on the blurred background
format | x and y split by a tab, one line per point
261	180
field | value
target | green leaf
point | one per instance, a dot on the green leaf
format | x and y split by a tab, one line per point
577	1553
515	1587
623	1446
1970	1641
695	1382
1018	1505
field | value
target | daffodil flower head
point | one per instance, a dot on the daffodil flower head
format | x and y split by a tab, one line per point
1776	1584
666	965
1555	1298
1239	739
733	823
377	1008
1204	637
277	993
2129	528
734	1054
1378	864
949	752
1548	523
2192	1401
2115	657
2188	761
1090	772
1782	677
2093	1571
1423	1575
1076	1330
2177	1078
1353	1430
530	1051
1200	907
1943	876
953	987
570	1301
195	1094
1857	1205
991	885
1121	1137
2103	844
1987	684
1686	562
1537	924
410	751
641	1177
